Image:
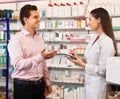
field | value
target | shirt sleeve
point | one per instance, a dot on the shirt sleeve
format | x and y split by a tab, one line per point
107	50
17	58
46	73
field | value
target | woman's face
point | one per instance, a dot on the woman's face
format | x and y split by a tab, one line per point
93	22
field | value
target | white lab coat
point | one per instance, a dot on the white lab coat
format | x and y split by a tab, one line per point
95	55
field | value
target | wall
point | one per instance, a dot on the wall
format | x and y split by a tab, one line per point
70	1
99	1
16	6
40	4
43	3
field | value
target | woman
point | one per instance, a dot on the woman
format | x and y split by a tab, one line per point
97	51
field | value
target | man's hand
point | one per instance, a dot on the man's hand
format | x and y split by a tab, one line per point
48	90
48	55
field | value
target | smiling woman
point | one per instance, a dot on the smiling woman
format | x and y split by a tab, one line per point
96	54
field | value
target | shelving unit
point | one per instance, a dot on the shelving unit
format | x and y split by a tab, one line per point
67	83
62	29
116	29
6	20
62	68
62	72
69	67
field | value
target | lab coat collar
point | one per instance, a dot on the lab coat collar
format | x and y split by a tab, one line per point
90	45
102	36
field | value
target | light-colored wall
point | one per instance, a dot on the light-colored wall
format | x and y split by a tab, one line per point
6	0
102	1
69	1
39	4
16	6
11	6
43	3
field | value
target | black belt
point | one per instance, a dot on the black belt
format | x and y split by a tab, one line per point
29	82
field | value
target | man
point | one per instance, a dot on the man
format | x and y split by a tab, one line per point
27	52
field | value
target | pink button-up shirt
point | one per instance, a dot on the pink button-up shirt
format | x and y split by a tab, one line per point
25	53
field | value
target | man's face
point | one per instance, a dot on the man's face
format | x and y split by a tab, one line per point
34	20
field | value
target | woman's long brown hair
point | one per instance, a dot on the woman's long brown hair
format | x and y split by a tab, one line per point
106	23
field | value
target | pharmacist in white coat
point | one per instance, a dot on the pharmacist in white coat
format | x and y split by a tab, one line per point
97	51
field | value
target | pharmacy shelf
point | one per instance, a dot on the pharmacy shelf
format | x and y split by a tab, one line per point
2	79
63	41
56	68
118	41
62	82
71	17
63	29
2	66
6	20
2	30
116	28
115	16
15	30
68	53
67	67
2	43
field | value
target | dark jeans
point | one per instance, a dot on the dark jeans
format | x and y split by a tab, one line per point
24	90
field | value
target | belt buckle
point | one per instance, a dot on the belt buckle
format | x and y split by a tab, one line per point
37	82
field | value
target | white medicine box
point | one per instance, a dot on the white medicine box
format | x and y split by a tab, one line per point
113	70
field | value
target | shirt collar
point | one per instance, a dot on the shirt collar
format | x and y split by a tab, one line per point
25	32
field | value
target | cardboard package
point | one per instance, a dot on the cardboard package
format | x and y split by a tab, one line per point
111	97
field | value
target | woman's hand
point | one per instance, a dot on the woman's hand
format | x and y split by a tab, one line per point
77	61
